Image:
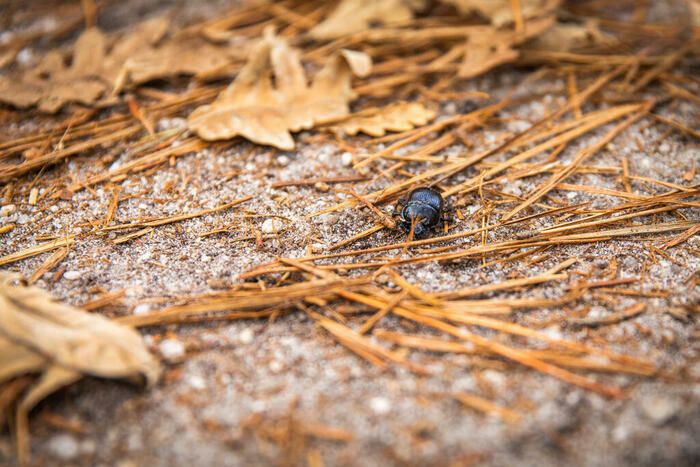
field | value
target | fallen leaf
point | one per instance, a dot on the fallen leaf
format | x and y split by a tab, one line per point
400	116
62	343
488	47
564	37
52	84
188	56
352	16
264	113
500	12
97	69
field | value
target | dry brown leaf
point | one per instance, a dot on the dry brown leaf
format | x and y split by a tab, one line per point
564	37
264	113
52	84
188	56
500	12
352	16
62	343
488	47
400	116
96	69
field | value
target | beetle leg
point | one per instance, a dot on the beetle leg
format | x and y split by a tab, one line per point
398	208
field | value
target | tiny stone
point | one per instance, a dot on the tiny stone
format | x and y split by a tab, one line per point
142	309
518	126
495	378
283	160
88	447
272	226
64	446
450	108
7	210
322	187
276	366
197	382
24	56
171	123
246	336
172	349
380	405
660	409
328	219
346	159
71	275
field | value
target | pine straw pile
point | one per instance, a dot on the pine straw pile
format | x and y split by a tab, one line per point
181	174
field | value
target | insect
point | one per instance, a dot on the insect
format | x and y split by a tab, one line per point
421	210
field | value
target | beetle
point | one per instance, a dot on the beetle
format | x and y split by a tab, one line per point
423	207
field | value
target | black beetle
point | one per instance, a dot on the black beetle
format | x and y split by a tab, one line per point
423	207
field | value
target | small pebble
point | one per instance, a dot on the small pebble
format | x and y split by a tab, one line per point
7	210
71	275
495	378
327	219
197	382
142	309
172	349
171	123
246	336
346	159
518	126
272	226
88	447
380	405
322	187
660	409
283	160
25	56
450	108
64	446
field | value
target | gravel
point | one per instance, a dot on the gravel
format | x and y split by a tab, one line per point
221	377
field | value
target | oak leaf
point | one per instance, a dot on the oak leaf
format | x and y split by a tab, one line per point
97	69
565	37
62	344
352	16
190	56
264	113
500	12
488	46
52	83
400	116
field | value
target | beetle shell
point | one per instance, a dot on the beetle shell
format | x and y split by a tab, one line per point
424	206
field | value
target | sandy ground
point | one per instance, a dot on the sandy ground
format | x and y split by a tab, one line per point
236	376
